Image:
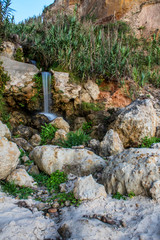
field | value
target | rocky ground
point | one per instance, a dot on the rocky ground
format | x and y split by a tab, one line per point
104	218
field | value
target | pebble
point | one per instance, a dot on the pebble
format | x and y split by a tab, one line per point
67	203
52	210
123	223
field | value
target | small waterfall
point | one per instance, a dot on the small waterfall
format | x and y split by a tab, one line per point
46	80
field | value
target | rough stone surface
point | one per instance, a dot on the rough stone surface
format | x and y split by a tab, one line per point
143	15
60	123
133	170
21	178
78	122
112	219
111	144
67	90
80	162
8	49
94	145
155	145
60	134
135	122
86	188
4	131
19	223
24	132
22	143
35	140
92	89
9	154
21	87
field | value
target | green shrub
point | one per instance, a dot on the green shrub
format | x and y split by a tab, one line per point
119	196
87	107
86	127
74	139
12	189
47	133
147	142
55	180
19	56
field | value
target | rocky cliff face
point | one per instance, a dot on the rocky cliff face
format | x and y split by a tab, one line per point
141	14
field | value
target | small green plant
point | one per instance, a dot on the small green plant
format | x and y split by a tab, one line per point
63	197
131	194
12	189
55	180
86	127
19	55
47	133
74	139
87	107
119	196
147	142
41	178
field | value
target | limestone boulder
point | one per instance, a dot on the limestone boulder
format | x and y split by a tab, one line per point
92	89
86	188
22	143
21	178
60	134
35	140
4	131
80	162
9	157
135	122
60	123
62	86
21	87
133	170
111	144
8	49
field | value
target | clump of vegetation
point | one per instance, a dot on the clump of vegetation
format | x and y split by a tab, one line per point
87	107
16	191
86	127
4	115
120	196
52	184
147	142
74	139
55	180
47	133
19	56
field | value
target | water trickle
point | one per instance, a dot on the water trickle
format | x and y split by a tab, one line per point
46	80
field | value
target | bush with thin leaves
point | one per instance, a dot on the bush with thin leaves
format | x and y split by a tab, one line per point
74	139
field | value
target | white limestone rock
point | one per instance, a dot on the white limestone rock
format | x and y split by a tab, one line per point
4	131
80	162
60	123
9	157
21	178
135	122
133	170
111	144
86	188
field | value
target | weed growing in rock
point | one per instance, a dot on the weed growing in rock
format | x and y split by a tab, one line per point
86	127
47	133
19	55
147	142
95	107
63	197
119	196
55	180
74	139
16	191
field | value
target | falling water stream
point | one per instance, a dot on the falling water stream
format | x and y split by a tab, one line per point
46	80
